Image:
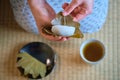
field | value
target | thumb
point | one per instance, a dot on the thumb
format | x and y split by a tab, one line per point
70	7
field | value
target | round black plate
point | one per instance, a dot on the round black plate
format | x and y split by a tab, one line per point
41	52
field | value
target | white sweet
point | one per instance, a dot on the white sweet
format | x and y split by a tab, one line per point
56	21
63	30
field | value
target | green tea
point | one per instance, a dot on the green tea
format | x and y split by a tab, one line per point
93	51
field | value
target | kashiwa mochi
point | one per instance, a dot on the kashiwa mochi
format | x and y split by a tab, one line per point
63	30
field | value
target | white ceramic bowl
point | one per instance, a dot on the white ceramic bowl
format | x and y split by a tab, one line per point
82	54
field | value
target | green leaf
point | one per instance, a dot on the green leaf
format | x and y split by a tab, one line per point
47	30
31	65
68	21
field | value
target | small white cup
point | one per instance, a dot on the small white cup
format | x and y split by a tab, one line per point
82	52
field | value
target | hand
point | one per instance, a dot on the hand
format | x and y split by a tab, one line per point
43	14
78	9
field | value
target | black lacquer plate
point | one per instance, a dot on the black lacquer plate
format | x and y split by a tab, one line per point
41	51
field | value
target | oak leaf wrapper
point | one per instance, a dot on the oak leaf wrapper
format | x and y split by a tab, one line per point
31	65
67	21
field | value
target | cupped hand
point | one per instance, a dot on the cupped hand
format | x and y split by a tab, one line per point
78	9
43	14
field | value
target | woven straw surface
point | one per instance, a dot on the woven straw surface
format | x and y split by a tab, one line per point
71	66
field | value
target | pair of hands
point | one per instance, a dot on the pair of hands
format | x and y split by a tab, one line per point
44	13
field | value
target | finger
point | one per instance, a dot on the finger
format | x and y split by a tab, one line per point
77	10
83	11
81	14
52	38
70	8
79	17
87	7
64	39
65	5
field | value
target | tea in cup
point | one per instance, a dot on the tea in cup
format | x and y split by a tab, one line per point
92	51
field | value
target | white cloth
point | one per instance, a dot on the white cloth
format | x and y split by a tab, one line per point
90	24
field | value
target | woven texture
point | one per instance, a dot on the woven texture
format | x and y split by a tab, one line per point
71	66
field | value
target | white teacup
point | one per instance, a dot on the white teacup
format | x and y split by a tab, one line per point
92	51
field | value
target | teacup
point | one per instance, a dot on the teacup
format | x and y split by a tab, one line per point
92	51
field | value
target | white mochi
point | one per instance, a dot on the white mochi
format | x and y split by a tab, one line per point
56	21
63	30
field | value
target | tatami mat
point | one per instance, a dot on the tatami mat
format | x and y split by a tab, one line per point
71	67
